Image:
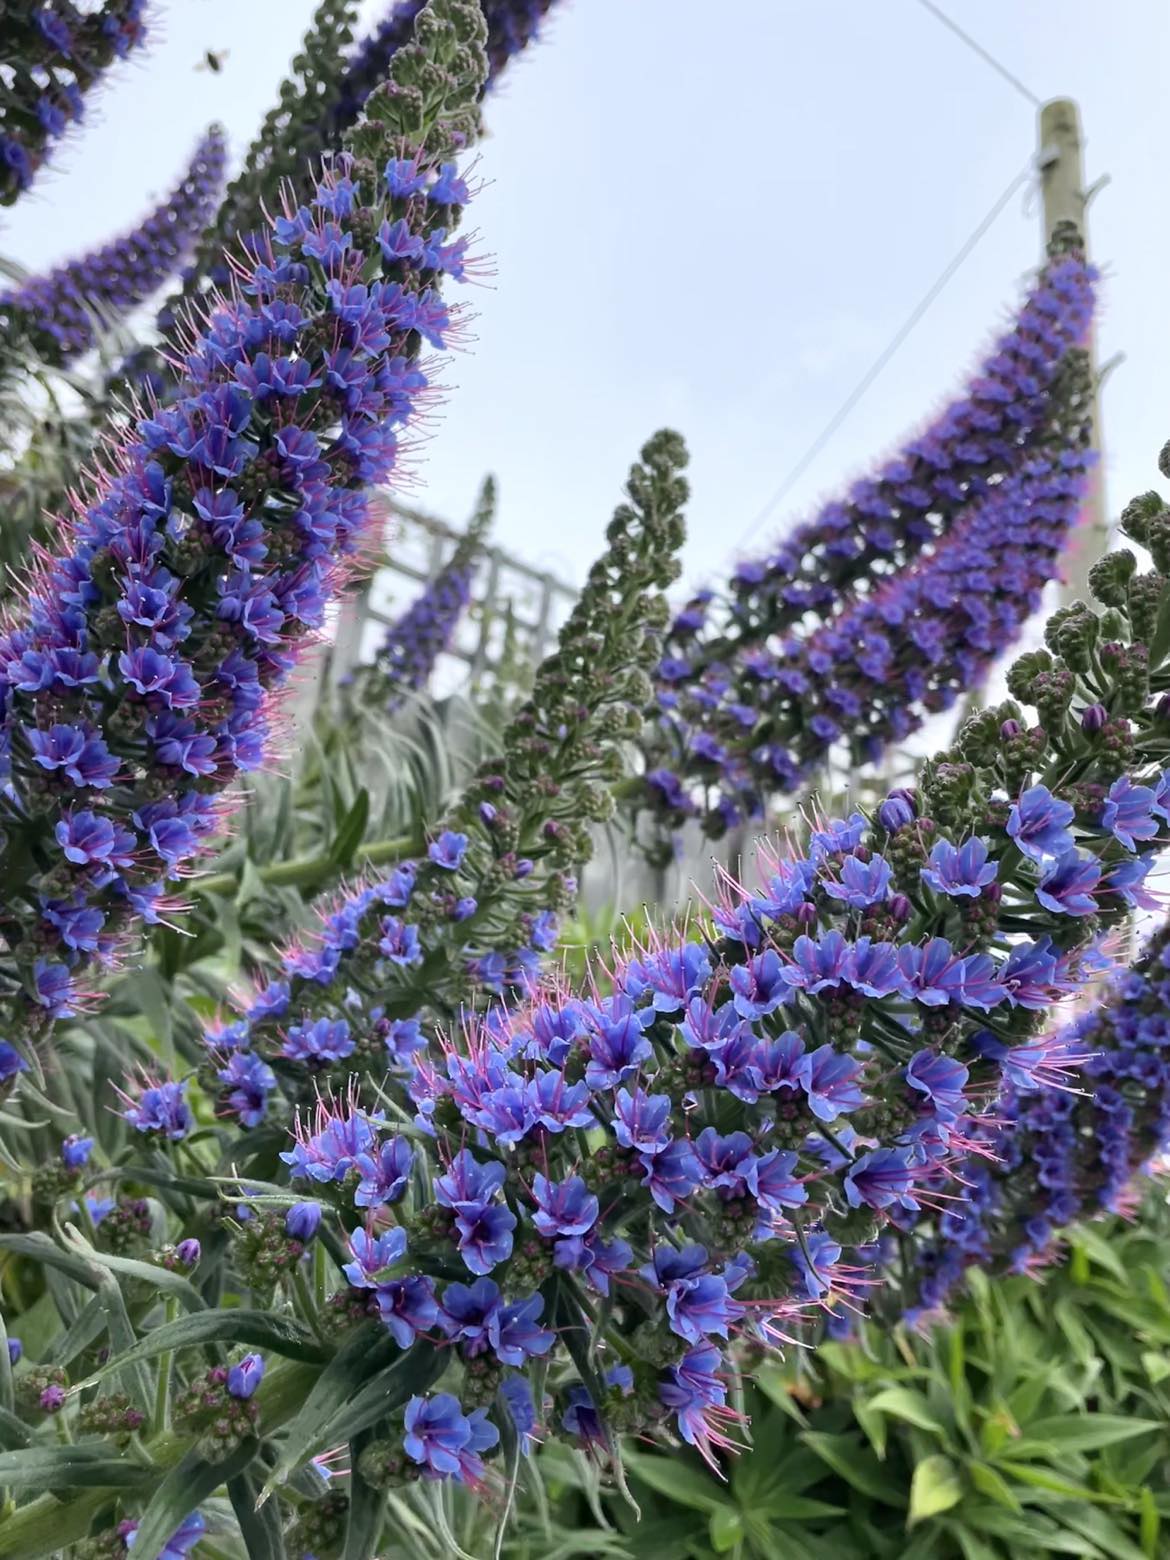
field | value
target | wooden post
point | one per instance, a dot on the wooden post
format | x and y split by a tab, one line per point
1062	182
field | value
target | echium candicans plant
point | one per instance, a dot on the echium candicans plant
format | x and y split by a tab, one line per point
51	55
414	642
60	313
470	923
911	646
138	678
565	1214
852	546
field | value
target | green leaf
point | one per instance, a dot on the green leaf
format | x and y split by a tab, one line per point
71	1467
260	1528
1094	1244
48	1254
935	1487
262	1329
677	1480
156	1277
366	1509
993	1485
185	1487
1151	1523
411	1373
726	1528
1083	1432
13	1433
908	1404
852	1461
351	830
367	1349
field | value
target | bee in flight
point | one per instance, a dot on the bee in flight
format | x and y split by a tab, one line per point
213	60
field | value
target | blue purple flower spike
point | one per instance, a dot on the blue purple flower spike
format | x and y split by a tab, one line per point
140	675
1059	1154
53	53
63	311
853	630
426	630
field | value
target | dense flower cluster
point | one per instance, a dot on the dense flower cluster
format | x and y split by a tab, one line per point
425	631
61	312
1063	1154
138	680
710	1148
53	53
891	656
472	921
747	708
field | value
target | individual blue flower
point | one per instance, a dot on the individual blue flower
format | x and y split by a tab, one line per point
15	1350
671	1173
1068	883
761	985
829	1080
563	1207
838	836
774	1063
862	883
597	1259
385	1173
515	1335
319	1043
726	1161
690	1389
819	965
1038	823
331	1152
448	850
407	1307
881	1179
436	1432
302	1221
1029	974
518	1401
959	871
617	1044
641	1120
773	1182
468	1181
557	1105
11	1062
245	1377
373	1256
484	1235
248	1081
673	975
75	1151
1126	880
816	1262
161	1108
1128	812
931	972
871	967
399	942
940	1080
698	1302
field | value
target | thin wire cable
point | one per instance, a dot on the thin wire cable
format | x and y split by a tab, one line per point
983	53
886	354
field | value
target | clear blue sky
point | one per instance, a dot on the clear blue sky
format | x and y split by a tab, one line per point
713	216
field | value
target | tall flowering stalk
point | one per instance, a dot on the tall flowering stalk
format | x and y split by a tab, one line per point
139	678
729	689
470	923
766	721
52	55
425	631
61	312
